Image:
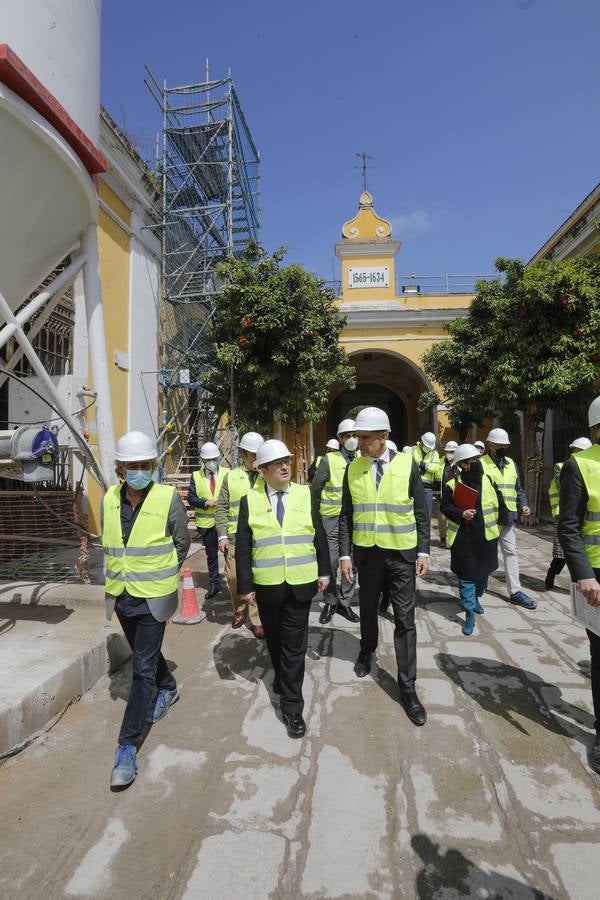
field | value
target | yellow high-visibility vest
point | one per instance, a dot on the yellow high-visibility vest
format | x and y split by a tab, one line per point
489	509
282	552
589	466
505	479
385	517
331	495
554	491
205	518
238	483
432	458
147	567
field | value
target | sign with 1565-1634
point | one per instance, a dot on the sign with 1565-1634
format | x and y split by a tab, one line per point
369	277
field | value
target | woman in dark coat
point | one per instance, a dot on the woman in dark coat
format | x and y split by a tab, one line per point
473	534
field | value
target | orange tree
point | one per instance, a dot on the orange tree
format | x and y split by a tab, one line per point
531	342
274	343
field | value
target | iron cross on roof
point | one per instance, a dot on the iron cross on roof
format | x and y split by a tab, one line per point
364	157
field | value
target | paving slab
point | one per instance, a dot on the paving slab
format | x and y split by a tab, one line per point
493	798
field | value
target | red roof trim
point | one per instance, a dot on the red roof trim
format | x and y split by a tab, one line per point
15	75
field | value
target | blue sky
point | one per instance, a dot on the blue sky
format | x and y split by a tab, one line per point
482	115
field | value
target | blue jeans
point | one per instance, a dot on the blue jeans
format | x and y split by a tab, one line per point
150	671
470	592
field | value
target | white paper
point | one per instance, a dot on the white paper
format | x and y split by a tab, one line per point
587	615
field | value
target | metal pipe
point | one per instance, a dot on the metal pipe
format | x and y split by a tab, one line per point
97	349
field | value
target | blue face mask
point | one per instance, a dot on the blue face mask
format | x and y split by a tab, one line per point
138	479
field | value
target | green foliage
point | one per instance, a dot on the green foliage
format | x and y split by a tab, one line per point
532	340
275	335
427	401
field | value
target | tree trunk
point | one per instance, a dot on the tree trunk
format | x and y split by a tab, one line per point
534	421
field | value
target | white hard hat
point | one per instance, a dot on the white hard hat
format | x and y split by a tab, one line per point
209	451
135	446
479	444
346	425
406	449
391	446
465	451
271	450
450	446
594	413
428	440
580	444
498	436
332	444
251	441
372	419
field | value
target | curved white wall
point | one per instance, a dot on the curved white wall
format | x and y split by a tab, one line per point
59	40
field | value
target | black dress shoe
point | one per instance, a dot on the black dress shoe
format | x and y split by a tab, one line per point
347	613
327	613
594	756
213	590
414	708
295	725
362	666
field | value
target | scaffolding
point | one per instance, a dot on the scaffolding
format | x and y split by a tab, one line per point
211	181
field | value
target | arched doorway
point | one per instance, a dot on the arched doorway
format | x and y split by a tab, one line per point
386	379
371	394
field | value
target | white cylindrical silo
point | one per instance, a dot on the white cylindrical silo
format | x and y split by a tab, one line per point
59	40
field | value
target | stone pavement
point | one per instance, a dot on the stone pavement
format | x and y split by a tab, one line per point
491	799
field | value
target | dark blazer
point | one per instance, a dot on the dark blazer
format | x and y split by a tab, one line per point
472	558
243	554
573	505
416	491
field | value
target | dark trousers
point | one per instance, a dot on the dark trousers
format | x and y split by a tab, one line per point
377	569
595	654
556	566
150	671
208	536
284	618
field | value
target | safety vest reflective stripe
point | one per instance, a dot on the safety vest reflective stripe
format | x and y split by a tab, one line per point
382	517
148	565
592	516
331	494
205	518
282	553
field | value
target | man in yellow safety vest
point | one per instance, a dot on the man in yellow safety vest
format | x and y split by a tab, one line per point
503	472
281	563
579	535
203	491
145	539
558	560
385	523
236	484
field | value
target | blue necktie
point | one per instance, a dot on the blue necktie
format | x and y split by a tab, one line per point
280	508
378	474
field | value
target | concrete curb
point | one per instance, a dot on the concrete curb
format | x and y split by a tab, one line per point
50	593
34	710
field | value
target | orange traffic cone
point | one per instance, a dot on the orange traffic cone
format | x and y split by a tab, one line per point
189	612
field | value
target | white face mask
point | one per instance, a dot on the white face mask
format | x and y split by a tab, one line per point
351	444
211	465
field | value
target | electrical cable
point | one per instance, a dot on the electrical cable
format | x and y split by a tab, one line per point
77	412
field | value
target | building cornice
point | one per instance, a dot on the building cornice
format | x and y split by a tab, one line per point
351	249
589	209
389	315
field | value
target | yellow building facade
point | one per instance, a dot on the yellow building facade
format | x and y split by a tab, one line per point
388	330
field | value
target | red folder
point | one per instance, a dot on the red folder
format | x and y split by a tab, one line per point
465	497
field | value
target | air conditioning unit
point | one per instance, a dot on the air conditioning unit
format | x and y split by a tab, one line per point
28	453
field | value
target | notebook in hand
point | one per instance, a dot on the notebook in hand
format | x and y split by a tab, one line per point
465	497
587	615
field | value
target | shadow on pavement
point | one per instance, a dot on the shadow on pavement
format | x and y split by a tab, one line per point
14	612
445	605
454	874
506	690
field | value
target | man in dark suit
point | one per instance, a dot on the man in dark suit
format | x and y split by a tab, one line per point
385	522
282	561
579	536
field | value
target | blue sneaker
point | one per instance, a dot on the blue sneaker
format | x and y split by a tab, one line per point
125	767
164	700
469	625
522	599
479	608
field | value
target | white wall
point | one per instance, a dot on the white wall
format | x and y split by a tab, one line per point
143	328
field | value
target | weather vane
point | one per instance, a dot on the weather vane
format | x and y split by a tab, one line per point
364	157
